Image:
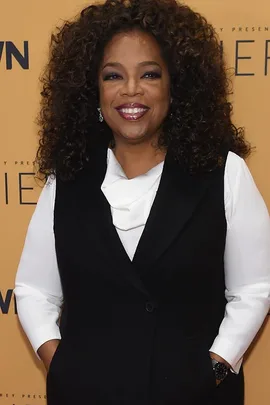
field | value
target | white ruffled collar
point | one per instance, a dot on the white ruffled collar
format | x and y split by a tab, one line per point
127	197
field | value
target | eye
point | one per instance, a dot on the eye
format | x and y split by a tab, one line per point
152	75
111	76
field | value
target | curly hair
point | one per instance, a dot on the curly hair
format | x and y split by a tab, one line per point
198	129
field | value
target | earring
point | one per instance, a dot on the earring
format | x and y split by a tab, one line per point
101	119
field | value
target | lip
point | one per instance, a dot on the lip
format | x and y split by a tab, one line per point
132	111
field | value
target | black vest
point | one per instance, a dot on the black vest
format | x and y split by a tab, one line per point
139	332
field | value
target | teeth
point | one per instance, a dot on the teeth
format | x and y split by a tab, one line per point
133	110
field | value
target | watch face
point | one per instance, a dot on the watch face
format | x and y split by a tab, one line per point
221	371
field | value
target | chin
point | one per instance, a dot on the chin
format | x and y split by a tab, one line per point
134	135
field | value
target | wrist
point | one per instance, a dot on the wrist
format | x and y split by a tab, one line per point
220	359
221	368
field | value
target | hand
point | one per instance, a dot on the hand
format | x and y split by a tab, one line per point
47	351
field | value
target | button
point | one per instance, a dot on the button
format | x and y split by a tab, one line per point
150	306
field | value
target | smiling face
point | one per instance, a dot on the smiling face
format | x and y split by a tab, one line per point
134	87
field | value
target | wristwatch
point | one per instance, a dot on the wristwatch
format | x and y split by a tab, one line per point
220	369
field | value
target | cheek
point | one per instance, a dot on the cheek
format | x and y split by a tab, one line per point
107	95
162	101
160	93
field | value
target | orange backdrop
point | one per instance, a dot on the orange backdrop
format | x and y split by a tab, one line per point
25	33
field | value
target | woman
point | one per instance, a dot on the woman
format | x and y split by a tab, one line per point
150	234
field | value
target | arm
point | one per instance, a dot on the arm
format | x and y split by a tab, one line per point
247	264
47	350
37	285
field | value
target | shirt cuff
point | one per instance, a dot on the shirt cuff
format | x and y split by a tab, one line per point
42	335
228	351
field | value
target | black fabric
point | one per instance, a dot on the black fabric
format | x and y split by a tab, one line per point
139	332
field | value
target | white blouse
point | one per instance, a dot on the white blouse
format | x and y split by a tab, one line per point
247	254
130	200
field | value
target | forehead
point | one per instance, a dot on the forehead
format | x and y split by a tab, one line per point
132	48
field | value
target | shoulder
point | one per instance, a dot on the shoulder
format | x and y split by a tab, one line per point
234	163
47	195
236	172
241	195
50	186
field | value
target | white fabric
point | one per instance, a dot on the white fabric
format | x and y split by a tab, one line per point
130	200
247	254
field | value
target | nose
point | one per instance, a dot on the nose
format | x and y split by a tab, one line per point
131	87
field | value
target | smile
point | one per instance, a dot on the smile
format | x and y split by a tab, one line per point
132	113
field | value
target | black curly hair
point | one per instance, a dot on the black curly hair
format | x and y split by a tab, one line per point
198	130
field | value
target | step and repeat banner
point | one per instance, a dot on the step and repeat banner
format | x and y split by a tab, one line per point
25	28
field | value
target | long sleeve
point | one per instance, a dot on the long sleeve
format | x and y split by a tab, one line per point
37	285
247	263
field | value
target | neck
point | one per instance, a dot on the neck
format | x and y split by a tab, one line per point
138	159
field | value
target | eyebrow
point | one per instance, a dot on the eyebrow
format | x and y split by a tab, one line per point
144	63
